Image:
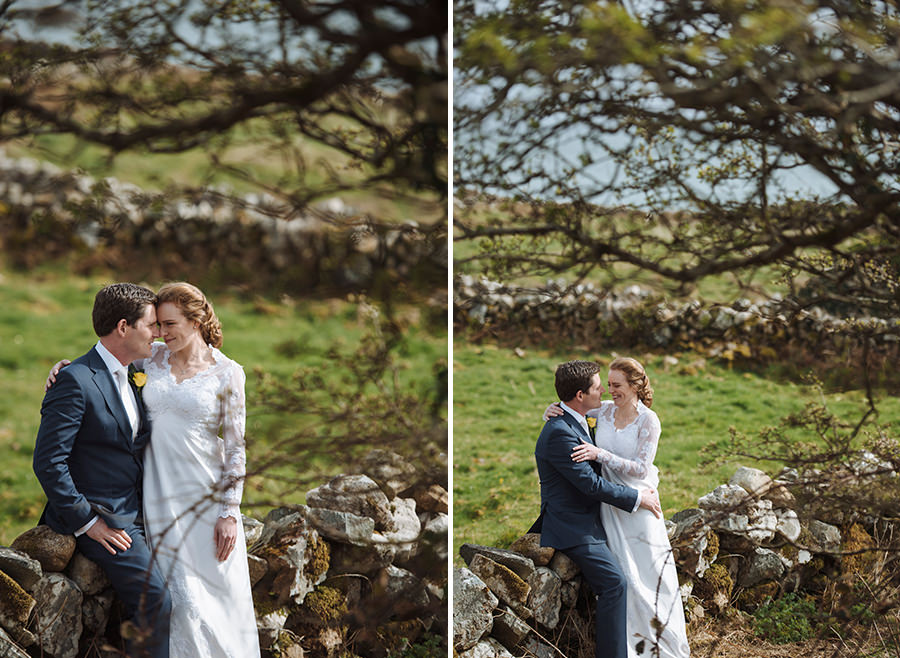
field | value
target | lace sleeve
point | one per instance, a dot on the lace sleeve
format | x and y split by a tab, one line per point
234	420
647	442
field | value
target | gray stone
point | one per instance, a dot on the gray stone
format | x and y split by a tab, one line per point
391	471
405	526
405	591
762	566
725	497
505	583
58	615
296	556
509	629
563	566
544	600
529	545
568	592
690	540
87	574
342	526
51	549
9	649
433	498
257	567
270	626
347	558
788	524
534	647
436	535
519	564
826	537
95	612
473	606
752	480
487	648
252	529
356	494
20	567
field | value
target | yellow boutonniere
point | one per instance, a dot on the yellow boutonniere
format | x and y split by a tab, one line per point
139	378
591	421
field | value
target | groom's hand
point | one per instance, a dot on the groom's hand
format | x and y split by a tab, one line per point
650	501
109	538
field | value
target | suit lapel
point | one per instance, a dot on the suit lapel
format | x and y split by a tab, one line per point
571	420
104	381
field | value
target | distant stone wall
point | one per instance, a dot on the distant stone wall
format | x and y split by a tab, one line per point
747	540
587	315
48	213
360	570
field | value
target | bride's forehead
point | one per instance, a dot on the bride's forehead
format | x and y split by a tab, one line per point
168	311
617	377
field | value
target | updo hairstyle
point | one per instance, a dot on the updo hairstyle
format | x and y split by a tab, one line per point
637	378
193	304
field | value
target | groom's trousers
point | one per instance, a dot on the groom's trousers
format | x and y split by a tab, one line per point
600	569
140	587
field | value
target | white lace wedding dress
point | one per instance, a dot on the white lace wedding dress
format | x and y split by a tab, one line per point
193	474
639	539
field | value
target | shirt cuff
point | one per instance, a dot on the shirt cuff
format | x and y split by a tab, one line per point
87	526
637	503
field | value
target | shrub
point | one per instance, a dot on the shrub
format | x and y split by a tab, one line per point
790	618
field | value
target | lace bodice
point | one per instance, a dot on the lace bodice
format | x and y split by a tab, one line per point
206	411
632	449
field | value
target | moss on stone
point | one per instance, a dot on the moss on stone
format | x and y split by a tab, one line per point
327	604
268	606
320	557
712	546
16	602
715	580
752	597
855	538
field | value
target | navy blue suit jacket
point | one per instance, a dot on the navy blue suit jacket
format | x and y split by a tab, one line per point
571	491
84	456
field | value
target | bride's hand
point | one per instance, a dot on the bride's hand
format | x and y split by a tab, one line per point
225	536
54	371
585	452
551	411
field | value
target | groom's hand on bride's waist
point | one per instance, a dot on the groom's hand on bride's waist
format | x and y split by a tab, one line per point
109	538
650	501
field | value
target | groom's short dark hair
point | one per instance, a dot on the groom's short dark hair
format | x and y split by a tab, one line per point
574	376
117	301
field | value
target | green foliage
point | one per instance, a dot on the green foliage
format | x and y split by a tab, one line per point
790	618
428	646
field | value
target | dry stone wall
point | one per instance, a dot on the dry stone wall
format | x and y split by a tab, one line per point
360	570
748	539
47	212
634	317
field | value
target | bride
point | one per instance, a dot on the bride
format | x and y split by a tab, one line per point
194	467
626	434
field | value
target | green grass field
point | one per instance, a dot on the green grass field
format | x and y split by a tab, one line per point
498	398
45	316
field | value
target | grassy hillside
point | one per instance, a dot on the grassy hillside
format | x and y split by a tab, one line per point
45	316
498	398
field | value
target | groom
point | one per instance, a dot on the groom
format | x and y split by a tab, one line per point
88	459
570	491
